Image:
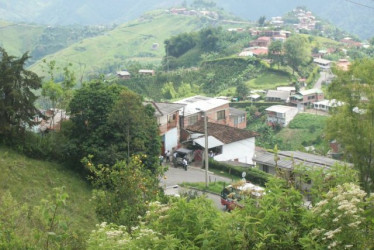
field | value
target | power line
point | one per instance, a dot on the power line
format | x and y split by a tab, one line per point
360	4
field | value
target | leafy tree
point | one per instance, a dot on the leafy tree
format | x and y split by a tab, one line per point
296	52
276	53
209	38
261	21
122	190
111	123
17	110
242	90
352	125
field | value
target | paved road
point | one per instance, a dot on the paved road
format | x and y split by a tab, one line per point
323	77
175	176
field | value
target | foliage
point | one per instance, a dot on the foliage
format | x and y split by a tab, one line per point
339	220
111	123
296	52
122	190
276	53
17	108
252	174
352	124
213	187
41	226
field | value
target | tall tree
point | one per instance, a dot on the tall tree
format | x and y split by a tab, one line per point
352	125
17	110
296	52
276	52
111	123
261	21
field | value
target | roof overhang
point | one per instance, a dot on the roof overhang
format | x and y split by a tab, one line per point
212	142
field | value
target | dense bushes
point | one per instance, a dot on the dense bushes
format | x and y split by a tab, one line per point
253	175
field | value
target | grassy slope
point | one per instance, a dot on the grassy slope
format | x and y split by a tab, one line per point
30	180
19	38
303	128
124	43
269	80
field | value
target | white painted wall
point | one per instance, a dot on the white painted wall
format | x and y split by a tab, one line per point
242	150
171	139
290	114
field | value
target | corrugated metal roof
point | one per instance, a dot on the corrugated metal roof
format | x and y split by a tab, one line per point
289	159
212	142
280	108
236	112
283	95
197	104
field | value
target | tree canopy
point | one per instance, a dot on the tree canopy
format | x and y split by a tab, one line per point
17	109
111	123
296	51
352	124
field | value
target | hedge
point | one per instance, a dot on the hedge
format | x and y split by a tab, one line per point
252	174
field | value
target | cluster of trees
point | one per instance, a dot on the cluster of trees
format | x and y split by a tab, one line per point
339	217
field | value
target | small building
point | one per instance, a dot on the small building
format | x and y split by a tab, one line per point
149	72
217	110
259	51
238	118
343	64
227	143
278	96
280	114
291	89
123	74
263	41
254	97
167	115
322	63
326	105
307	97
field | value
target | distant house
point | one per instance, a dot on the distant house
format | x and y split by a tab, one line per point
291	89
349	42
167	115
322	63
263	41
124	74
277	96
52	121
217	110
227	143
307	97
238	118
259	51
343	64
149	72
246	53
254	97
326	105
280	114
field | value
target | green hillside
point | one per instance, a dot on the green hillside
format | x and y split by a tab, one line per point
19	38
128	42
30	180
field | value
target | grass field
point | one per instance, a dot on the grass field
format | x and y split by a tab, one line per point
304	130
128	42
30	180
269	80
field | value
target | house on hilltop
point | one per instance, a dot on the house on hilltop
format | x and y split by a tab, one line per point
123	74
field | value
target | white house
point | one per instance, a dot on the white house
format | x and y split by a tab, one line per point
280	114
227	143
326	105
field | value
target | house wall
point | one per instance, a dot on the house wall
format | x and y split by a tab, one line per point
265	168
307	99
242	151
290	114
212	116
171	139
241	125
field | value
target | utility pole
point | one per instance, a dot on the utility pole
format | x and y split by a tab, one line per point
206	148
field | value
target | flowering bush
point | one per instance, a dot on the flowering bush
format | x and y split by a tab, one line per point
339	220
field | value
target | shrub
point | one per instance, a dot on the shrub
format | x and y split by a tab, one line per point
252	174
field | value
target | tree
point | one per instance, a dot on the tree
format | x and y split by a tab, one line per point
17	109
276	52
296	52
242	90
261	21
111	123
209	38
352	124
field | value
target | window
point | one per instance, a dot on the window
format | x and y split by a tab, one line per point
192	120
221	115
265	168
171	118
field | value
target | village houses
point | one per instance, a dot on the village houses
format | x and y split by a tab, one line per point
280	115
